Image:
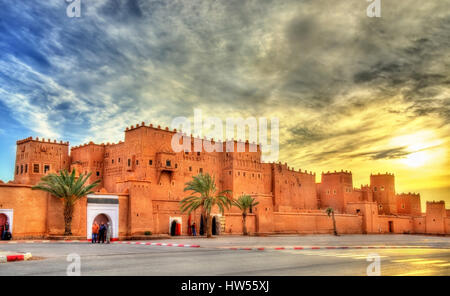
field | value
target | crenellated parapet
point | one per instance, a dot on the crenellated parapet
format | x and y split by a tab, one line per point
30	139
380	174
193	137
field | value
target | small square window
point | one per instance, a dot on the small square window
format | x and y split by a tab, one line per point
198	153
190	169
200	170
137	162
150	162
21	168
36	168
98	174
17	170
112	161
129	162
118	160
26	168
168	163
46	168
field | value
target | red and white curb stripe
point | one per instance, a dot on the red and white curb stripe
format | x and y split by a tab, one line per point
15	257
42	241
157	244
326	248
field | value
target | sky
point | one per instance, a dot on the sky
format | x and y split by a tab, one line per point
351	92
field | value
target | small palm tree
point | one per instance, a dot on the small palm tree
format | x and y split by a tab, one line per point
330	212
244	203
204	197
68	187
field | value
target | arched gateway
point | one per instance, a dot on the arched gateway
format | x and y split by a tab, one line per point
103	208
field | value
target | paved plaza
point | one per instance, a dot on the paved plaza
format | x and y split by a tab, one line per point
419	255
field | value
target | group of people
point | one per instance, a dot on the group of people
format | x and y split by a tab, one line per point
4	231
101	233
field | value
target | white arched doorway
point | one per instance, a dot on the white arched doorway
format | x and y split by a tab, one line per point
102	208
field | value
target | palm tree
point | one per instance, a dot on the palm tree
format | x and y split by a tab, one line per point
244	203
204	197
330	212
68	187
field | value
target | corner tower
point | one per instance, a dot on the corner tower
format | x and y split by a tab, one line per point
36	158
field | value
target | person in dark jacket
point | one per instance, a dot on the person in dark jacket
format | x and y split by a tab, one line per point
102	233
194	230
6	234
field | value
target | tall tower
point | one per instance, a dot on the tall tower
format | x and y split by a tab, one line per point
383	188
335	190
36	158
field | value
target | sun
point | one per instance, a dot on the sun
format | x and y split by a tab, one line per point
416	159
423	148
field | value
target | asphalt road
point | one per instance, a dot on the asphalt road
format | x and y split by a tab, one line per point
215	259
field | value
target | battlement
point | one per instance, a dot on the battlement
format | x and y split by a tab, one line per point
37	140
95	144
385	174
285	167
413	194
337	173
166	129
436	203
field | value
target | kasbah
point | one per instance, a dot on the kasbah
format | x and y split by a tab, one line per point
142	182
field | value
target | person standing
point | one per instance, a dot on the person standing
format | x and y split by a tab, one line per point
108	233
102	233
194	230
6	233
94	232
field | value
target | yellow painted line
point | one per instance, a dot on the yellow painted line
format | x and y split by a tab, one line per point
408	260
428	262
418	272
443	265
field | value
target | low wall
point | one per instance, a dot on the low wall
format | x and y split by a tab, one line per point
233	223
316	223
447	225
399	224
29	210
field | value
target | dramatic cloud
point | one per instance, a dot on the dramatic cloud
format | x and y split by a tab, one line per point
351	92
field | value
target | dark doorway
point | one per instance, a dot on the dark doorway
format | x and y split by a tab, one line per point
173	228
214	226
202	226
391	226
101	218
3	220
